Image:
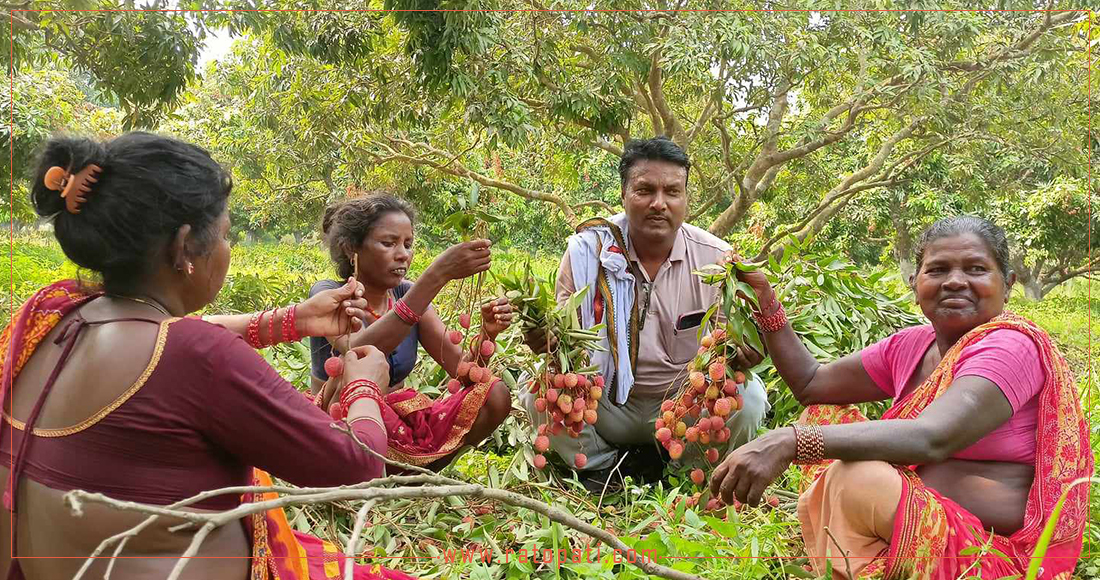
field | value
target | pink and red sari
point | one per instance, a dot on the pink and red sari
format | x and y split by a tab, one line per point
421	430
933	537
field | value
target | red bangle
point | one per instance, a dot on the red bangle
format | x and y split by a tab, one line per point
359	389
361	383
289	332
405	313
358	394
271	327
252	336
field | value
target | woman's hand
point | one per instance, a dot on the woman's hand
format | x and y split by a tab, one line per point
496	315
756	279
367	362
361	362
751	468
462	260
332	312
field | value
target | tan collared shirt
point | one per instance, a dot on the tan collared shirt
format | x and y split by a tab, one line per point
662	349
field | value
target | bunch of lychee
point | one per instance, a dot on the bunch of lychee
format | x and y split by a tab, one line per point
566	403
708	398
469	372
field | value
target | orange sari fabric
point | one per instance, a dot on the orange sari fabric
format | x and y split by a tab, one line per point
931	532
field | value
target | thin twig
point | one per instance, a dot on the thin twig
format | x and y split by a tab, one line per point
609	476
196	542
353	542
843	552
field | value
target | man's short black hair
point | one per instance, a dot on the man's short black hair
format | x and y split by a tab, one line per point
658	148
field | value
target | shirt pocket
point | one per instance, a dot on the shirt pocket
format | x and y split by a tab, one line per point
681	345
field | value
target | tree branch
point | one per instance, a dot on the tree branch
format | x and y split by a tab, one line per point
657	95
433	486
457	169
1092	266
713	105
837	197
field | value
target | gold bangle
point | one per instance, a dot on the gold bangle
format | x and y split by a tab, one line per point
368	418
809	444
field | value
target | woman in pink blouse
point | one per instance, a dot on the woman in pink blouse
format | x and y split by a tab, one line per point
985	432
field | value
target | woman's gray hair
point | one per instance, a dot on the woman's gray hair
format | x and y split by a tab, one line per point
989	232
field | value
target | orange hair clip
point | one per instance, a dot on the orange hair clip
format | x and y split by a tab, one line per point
73	188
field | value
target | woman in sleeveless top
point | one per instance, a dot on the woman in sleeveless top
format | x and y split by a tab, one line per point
111	388
377	231
985	434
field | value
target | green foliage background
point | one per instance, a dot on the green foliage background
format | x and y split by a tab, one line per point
262	275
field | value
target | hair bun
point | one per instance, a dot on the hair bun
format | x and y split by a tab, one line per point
71	154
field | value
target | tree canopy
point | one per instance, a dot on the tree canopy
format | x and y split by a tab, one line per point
794	116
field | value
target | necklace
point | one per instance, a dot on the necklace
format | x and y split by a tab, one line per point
149	303
389	305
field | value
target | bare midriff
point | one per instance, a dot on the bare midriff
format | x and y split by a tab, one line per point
994	491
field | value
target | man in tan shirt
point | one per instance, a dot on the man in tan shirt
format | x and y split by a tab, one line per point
661	254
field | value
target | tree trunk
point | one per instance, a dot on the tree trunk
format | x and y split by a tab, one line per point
1033	289
903	243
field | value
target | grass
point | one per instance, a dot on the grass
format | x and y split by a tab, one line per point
415	536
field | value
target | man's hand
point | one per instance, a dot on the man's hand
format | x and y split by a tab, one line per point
536	340
751	468
746	358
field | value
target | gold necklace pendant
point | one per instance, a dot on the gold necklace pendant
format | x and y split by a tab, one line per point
149	303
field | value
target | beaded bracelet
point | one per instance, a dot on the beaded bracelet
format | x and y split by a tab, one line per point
405	313
774	321
289	331
809	444
271	327
253	333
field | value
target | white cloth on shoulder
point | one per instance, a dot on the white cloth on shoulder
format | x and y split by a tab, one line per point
583	248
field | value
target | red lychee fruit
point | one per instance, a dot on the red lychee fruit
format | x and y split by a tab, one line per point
334	366
717	371
698	476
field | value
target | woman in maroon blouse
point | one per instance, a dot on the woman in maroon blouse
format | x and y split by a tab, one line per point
111	389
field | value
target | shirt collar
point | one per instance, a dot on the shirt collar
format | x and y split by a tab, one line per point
678	253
